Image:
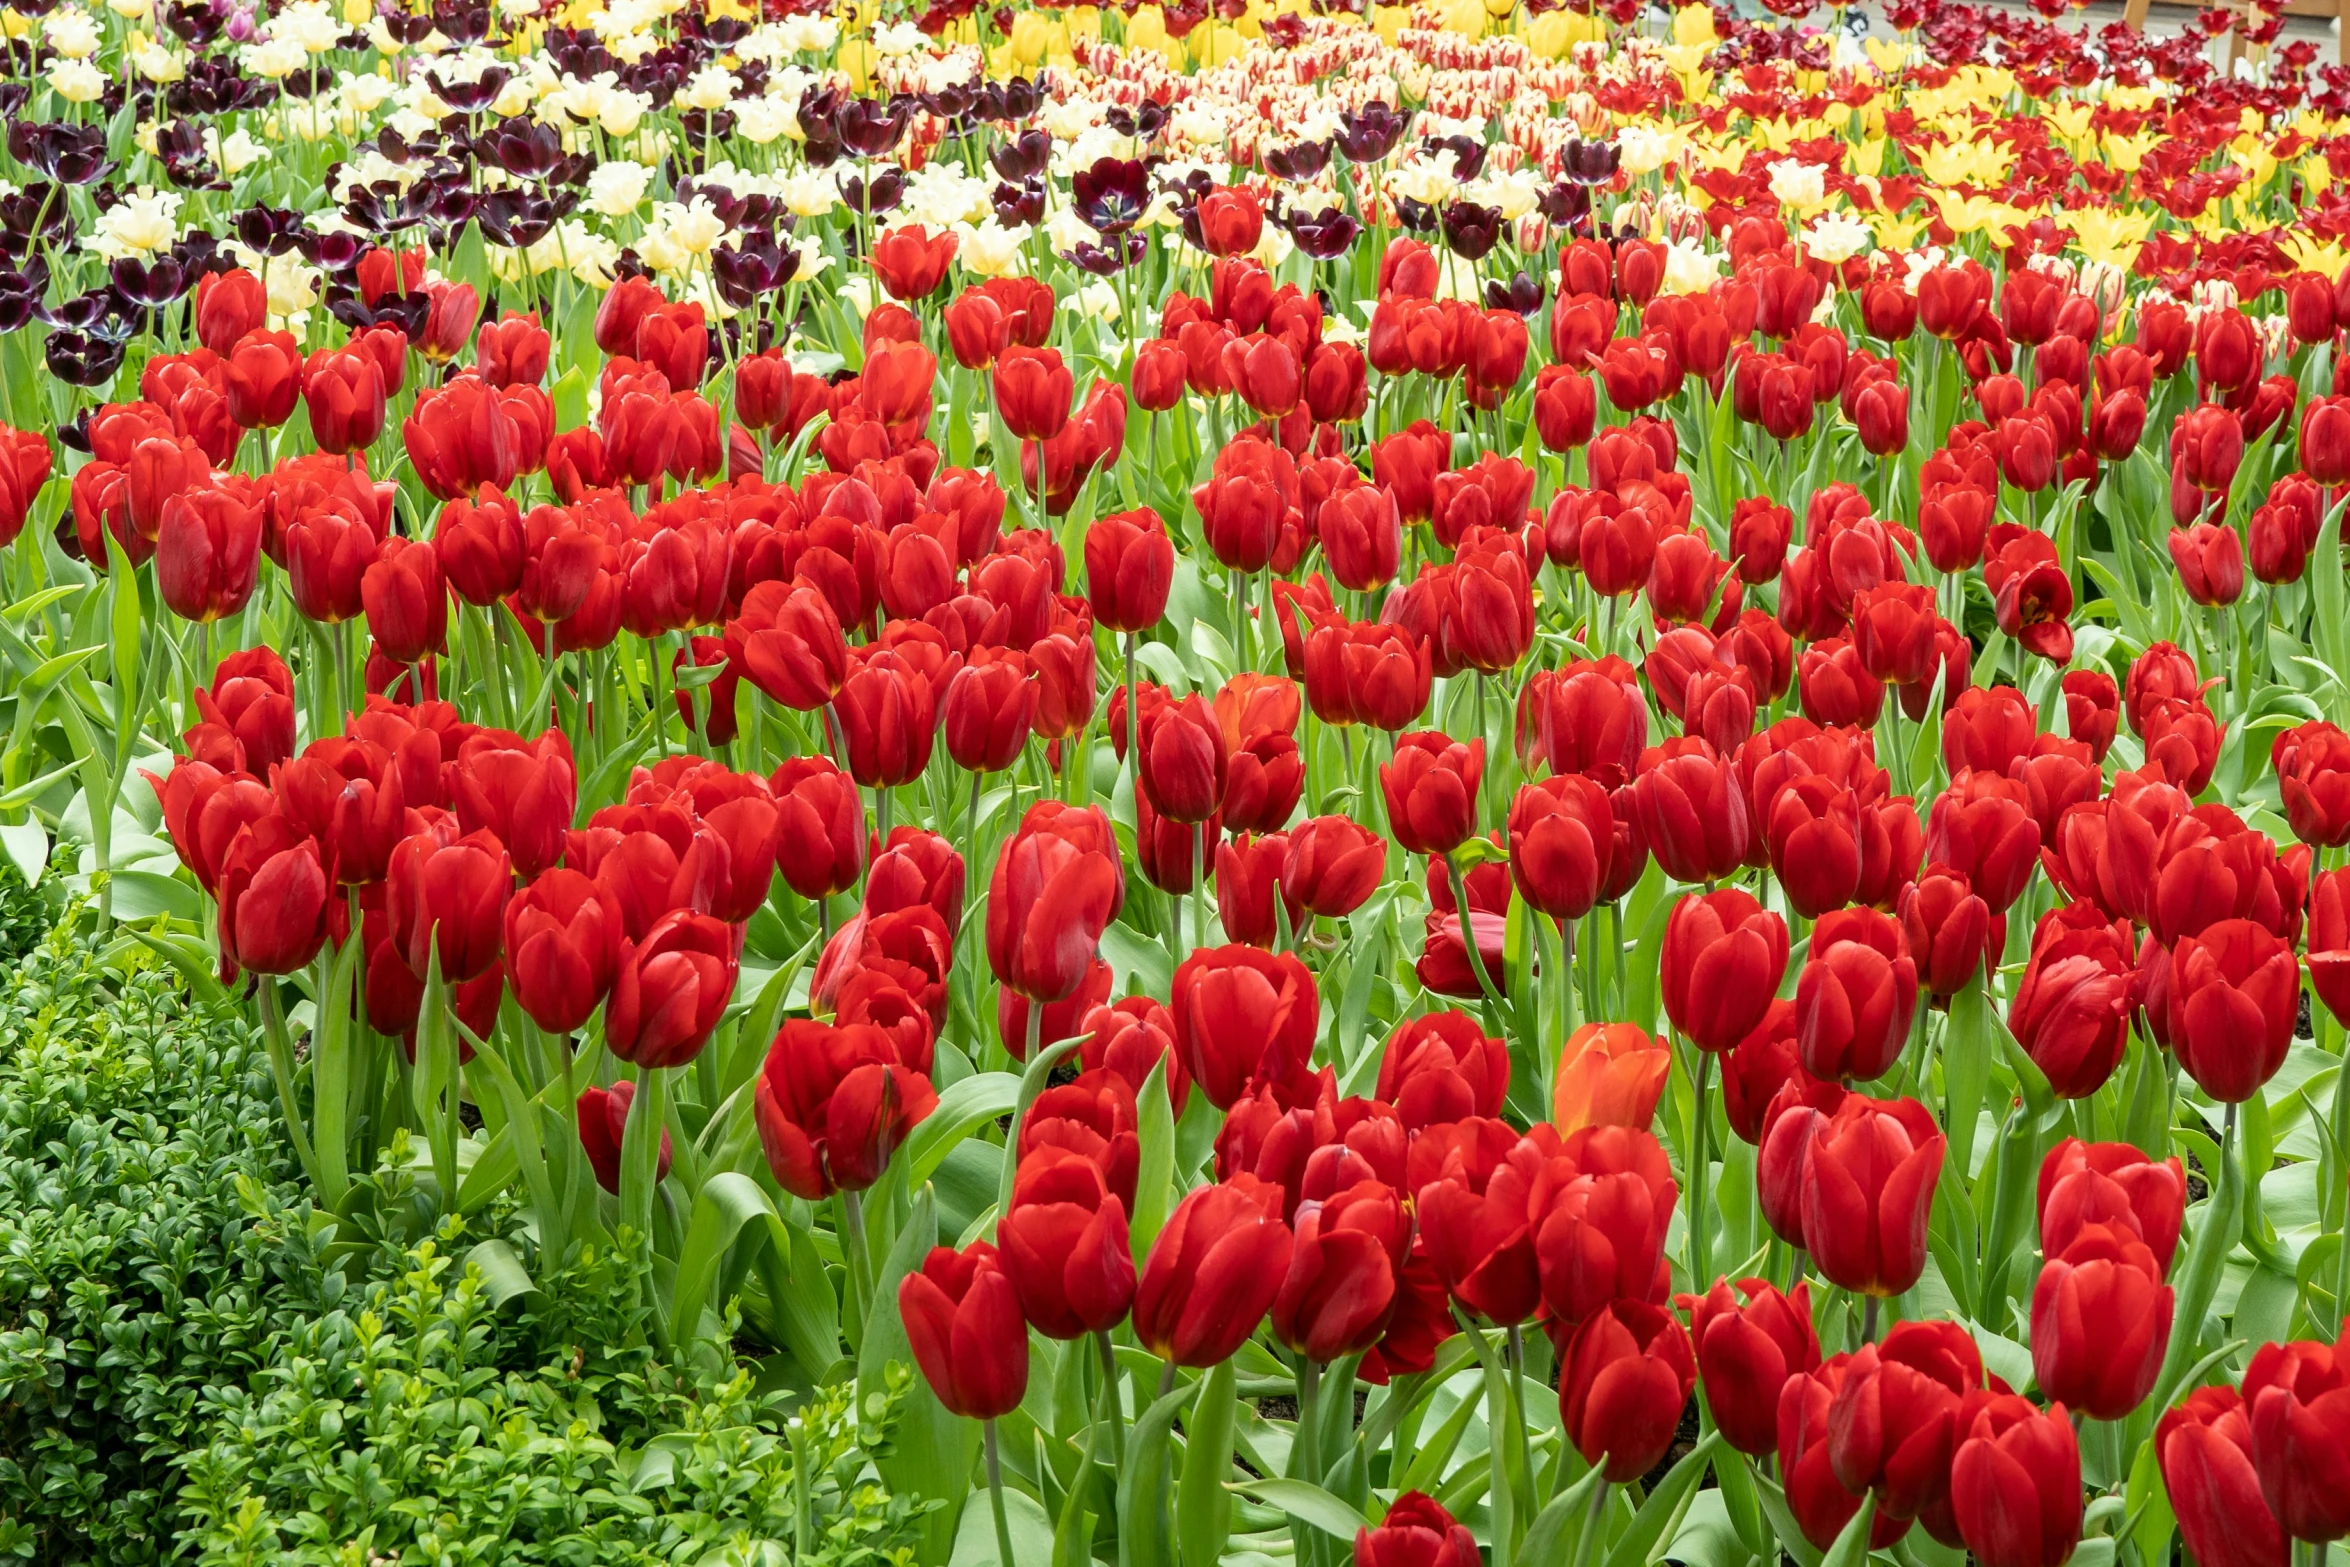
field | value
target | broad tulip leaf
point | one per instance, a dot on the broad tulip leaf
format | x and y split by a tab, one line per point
1306	1502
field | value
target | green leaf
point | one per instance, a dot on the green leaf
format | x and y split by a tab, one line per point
968	1104
1024	1521
1203	1508
1662	1506
1557	1530
1784	1529
501	1270
1966	1072
1154	1178
1307	1503
725	1204
1142	1485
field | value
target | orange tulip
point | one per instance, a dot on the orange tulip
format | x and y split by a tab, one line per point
1609	1074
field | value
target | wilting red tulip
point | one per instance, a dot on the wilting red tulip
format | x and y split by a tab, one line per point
1624	1379
670	990
2234	996
2101	1320
1722	960
2204	1444
1868	1185
1746	1352
1057	886
1418	1533
1609	1074
1856	997
1065	1246
562	945
1895	1419
1213	1272
963	1322
603	1121
2015	1483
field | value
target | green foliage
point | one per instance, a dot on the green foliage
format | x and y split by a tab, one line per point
415	1426
146	1247
26	912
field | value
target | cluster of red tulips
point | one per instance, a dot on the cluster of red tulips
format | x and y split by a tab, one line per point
1680	663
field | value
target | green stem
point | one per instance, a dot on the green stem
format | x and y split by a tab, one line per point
1117	1422
1590	1535
1460	904
281	1067
1699	1278
995	1496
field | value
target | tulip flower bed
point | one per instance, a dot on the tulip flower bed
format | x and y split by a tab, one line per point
1429	788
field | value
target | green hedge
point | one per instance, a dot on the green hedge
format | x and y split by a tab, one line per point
146	1249
423	1423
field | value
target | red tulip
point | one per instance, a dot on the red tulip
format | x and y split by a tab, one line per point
1895	1419
1624	1379
2234	996
670	990
2101	1321
1213	1272
449	896
207	553
1600	1236
1857	996
1129	565
2015	1483
1418	1532
1431	791
1057	886
1746	1353
2204	1444
833	1103
962	1317
1868	1186
1341	1286
1065	1246
1722	960
273	895
562	946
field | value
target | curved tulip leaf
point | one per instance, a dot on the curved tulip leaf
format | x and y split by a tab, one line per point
1852	1546
1785	1531
502	1273
1024	1520
1557	1530
1307	1503
724	1206
963	1108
